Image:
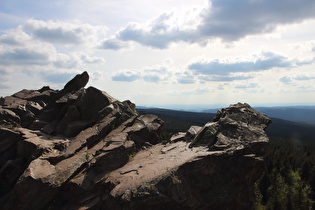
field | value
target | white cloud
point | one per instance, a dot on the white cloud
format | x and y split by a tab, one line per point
64	32
265	61
148	74
223	19
126	76
14	37
24	56
246	86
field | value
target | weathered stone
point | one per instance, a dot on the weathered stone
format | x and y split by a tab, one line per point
180	136
114	159
35	144
8	141
78	82
9	118
9	173
192	132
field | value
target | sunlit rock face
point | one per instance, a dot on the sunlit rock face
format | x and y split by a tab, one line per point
79	148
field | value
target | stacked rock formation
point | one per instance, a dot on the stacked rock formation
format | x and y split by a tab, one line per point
80	148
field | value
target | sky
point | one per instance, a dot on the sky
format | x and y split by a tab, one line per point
163	53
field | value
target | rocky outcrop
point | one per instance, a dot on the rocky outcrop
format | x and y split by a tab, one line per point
214	167
83	149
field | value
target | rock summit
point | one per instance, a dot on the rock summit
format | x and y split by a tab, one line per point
80	148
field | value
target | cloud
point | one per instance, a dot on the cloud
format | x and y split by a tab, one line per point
113	44
58	78
14	37
3	79
224	78
156	74
224	19
91	60
185	78
246	86
197	91
63	32
148	74
126	76
288	80
265	61
24	56
232	20
285	79
304	77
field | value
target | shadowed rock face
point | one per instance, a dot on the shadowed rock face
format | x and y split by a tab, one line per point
83	149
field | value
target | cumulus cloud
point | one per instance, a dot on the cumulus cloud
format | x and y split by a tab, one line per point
156	74
113	44
148	74
126	76
197	91
232	20
265	61
185	78
91	60
58	78
63	32
304	77
246	86
24	56
224	19
224	78
3	79
14	37
301	77
285	79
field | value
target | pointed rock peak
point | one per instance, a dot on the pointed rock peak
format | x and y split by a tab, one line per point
79	81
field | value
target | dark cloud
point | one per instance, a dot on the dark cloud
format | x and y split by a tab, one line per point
232	20
21	56
217	67
227	20
126	76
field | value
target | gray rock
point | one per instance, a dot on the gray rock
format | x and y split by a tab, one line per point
113	158
9	118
